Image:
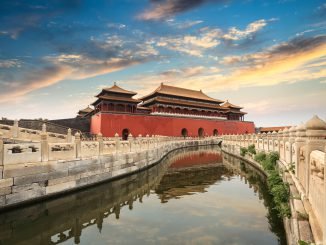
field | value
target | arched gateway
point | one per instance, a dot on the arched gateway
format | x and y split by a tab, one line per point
184	132
215	132
200	132
125	133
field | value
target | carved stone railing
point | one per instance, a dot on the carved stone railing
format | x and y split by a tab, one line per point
53	147
34	170
25	134
302	149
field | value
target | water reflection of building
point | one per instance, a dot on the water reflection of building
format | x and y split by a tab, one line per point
191	173
59	220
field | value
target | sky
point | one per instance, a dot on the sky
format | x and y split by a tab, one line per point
267	56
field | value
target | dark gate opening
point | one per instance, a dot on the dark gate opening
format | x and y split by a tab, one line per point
215	132
184	132
201	132
125	133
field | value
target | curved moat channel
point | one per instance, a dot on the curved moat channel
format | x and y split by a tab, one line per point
193	196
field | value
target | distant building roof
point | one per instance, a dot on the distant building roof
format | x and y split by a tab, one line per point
271	129
181	92
85	110
116	89
229	105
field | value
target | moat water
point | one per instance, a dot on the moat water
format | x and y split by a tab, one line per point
193	196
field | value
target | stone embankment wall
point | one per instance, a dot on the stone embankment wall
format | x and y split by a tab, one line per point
36	170
71	214
302	163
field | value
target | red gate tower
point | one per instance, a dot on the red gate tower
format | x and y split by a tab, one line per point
168	110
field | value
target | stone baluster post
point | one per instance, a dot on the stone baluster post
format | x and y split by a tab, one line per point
255	141
131	142
292	135
100	143
140	142
1	149
15	129
78	145
258	137
316	133
268	137
44	144
274	140
147	141
285	143
117	142
300	141
279	139
69	137
281	144
263	137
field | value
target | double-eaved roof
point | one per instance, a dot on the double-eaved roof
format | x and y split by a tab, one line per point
116	93
117	90
181	93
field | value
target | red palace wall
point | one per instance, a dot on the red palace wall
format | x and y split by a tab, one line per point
109	124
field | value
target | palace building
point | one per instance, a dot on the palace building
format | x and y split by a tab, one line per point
168	110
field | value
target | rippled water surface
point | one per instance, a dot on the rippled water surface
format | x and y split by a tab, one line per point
193	196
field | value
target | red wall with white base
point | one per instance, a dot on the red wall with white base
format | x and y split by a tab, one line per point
109	124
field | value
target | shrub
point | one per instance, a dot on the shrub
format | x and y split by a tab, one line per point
267	164
259	157
251	149
284	210
273	179
280	192
274	156
243	151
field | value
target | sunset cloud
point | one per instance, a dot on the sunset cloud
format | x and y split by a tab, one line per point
40	78
282	63
191	45
162	9
196	45
71	66
237	34
10	63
